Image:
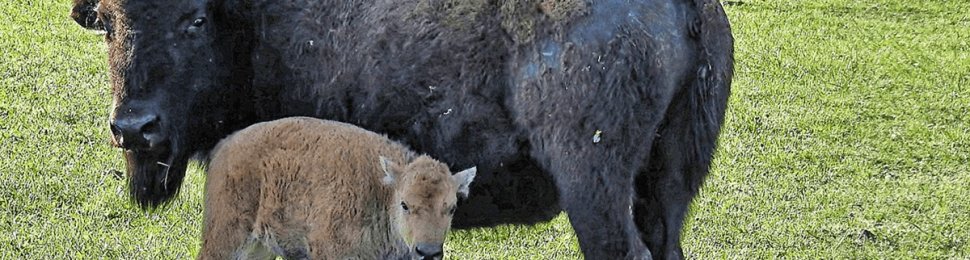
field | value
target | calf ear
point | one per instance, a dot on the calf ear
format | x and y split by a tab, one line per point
389	168
463	179
85	13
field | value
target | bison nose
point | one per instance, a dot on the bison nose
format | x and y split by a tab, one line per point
136	131
429	251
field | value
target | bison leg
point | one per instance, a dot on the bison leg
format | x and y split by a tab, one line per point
595	183
680	160
664	193
596	193
666	186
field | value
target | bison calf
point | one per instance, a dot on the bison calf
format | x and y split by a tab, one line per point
308	188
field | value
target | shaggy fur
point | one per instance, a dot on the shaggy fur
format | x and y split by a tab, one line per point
304	187
607	109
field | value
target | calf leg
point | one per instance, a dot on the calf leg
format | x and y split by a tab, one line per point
230	210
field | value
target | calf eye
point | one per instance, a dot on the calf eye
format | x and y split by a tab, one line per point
404	207
451	211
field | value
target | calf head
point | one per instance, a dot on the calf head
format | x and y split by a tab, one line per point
424	201
168	75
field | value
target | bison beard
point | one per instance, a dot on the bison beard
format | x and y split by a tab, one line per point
154	178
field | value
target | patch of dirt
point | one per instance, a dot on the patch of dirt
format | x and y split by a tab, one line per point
455	14
563	10
518	17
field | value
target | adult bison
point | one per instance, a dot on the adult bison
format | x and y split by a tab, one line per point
609	109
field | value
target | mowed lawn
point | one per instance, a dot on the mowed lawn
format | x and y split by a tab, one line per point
847	136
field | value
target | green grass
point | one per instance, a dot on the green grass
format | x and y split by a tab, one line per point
848	136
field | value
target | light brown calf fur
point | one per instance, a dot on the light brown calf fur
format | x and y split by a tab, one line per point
308	188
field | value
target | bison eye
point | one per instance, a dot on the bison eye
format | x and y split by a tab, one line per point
196	26
108	31
106	25
451	211
404	206
199	22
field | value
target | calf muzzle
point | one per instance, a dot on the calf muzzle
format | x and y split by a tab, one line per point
429	251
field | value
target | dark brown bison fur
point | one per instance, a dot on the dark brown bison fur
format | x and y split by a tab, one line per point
308	188
601	108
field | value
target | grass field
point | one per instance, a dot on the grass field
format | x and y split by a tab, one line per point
847	136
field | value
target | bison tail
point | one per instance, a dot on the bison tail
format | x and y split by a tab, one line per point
709	92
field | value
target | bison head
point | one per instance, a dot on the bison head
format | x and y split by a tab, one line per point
169	74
